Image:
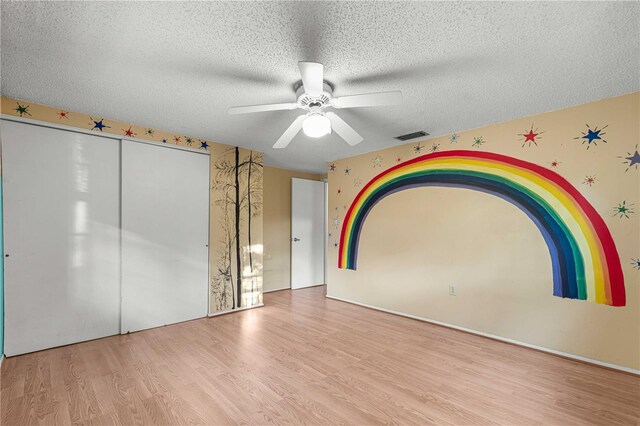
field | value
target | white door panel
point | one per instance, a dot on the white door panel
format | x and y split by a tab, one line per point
307	232
62	237
165	235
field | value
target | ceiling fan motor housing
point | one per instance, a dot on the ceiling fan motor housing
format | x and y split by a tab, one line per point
308	102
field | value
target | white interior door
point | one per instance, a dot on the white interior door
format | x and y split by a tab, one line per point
61	236
307	233
165	235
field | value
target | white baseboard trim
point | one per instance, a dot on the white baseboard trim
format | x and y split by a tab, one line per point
230	311
494	337
276	289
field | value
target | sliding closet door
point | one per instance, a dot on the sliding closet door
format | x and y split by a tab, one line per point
62	237
165	235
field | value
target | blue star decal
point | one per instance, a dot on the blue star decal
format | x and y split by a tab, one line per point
99	125
164	140
591	136
632	159
204	145
636	263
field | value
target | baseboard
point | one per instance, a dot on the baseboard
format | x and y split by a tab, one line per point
494	337
230	311
1	359
277	289
309	286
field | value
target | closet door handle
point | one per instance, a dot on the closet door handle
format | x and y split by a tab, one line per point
296	239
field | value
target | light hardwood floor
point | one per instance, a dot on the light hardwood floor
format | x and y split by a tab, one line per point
306	359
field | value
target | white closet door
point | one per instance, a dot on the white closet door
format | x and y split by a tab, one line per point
165	235
62	237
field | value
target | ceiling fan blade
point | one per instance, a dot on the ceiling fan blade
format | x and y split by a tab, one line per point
290	133
367	100
261	108
312	74
343	130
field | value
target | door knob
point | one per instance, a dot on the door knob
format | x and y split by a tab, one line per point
296	239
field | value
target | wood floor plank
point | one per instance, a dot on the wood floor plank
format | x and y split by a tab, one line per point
305	359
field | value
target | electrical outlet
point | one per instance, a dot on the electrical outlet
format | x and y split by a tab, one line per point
452	290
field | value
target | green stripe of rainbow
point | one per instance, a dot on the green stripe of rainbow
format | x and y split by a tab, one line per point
584	257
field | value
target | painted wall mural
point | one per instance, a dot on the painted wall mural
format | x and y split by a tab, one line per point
525	268
237	183
585	261
235	240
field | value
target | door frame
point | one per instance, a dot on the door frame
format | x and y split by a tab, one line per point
325	240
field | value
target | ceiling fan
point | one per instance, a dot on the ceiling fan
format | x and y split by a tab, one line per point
314	95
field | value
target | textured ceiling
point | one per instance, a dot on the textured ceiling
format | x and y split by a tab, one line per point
179	66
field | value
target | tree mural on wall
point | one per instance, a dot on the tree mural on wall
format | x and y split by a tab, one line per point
251	169
239	180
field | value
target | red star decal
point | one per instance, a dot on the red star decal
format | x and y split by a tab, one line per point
339	191
176	139
63	114
530	137
554	164
129	132
398	159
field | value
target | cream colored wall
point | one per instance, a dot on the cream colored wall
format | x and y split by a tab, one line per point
277	225
415	243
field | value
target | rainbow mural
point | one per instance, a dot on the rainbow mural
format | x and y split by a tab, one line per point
586	265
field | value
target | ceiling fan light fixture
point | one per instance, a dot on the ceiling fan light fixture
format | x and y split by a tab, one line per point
316	126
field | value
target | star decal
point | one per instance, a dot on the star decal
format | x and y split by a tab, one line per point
63	114
632	159
99	125
347	170
554	164
592	136
624	210
22	109
332	167
435	147
148	132
129	132
164	140
188	141
335	245
398	160
177	139
204	145
589	180
357	182
417	149
377	161
339	191
453	138
531	137
336	222
636	263
478	141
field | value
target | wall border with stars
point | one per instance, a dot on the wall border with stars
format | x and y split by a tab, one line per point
99	124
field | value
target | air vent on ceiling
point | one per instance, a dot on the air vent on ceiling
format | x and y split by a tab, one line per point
413	135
